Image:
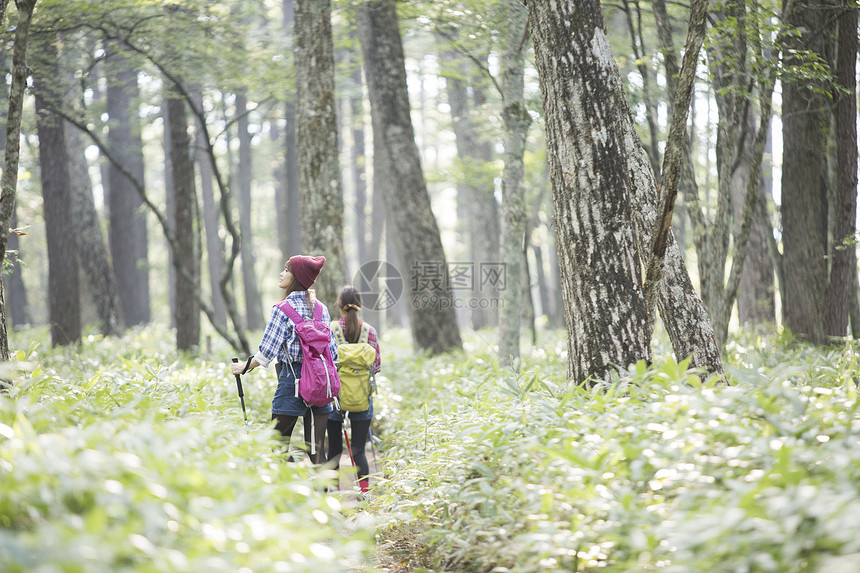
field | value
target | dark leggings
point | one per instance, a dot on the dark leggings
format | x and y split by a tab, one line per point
285	425
358	440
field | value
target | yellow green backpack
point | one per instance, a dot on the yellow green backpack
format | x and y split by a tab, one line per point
355	360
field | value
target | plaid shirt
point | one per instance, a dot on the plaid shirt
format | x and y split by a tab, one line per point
373	340
280	342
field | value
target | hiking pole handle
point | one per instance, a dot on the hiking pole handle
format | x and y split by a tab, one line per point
239	380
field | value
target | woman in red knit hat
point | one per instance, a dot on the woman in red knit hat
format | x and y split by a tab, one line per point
281	345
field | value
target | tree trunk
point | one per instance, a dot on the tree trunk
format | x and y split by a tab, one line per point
380	239
475	213
127	234
843	270
169	209
756	293
319	171
291	216
543	286
253	305
528	304
11	154
91	248
486	226
187	255
515	214
419	245
804	187
604	302
63	287
12	145
621	155
214	247
358	163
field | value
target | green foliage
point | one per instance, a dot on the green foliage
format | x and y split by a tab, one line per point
198	42
121	455
661	469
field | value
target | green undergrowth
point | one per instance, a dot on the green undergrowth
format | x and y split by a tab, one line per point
662	470
121	455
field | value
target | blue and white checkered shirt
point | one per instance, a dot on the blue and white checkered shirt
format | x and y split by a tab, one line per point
280	342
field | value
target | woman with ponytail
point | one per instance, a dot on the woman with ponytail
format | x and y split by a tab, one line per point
353	330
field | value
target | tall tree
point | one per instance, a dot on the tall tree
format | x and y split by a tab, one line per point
253	305
804	180
419	245
169	208
211	227
476	202
89	241
127	231
517	121
594	150
359	160
187	255
737	154
319	171
604	301
289	211
843	269
12	147
755	298
63	280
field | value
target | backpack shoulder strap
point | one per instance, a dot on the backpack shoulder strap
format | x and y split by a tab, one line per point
288	309
365	332
338	332
317	310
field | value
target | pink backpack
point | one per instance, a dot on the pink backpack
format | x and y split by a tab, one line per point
319	383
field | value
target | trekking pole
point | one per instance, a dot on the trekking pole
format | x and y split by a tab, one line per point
241	393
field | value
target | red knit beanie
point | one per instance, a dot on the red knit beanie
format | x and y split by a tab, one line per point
306	269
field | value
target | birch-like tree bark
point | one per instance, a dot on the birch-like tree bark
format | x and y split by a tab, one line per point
419	245
601	274
319	171
515	214
620	214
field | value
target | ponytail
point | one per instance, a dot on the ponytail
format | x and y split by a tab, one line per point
349	302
